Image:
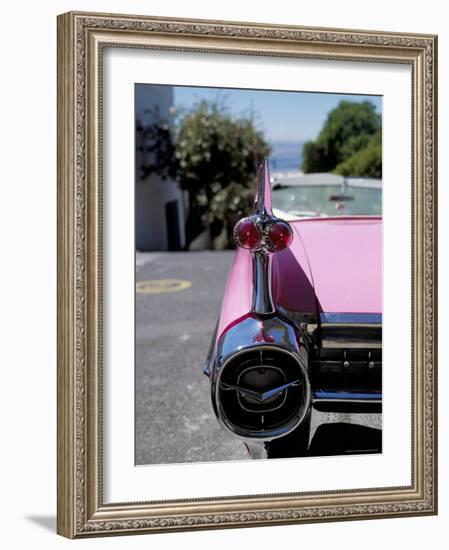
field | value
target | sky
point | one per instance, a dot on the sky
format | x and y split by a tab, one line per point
283	116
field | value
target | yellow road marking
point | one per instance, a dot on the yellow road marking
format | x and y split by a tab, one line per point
159	286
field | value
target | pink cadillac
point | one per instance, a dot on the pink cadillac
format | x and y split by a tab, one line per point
300	329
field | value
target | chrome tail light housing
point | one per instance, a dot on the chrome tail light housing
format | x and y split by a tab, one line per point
259	372
262	390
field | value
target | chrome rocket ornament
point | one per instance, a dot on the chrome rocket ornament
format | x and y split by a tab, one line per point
263	234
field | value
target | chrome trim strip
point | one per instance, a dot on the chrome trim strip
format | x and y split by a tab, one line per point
346	396
257	396
339	344
349	318
365	401
262	301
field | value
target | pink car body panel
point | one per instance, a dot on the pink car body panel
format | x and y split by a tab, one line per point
345	255
334	265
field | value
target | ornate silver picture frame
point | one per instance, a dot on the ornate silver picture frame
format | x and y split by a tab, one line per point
82	40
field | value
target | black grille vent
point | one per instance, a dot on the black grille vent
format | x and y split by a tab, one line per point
347	369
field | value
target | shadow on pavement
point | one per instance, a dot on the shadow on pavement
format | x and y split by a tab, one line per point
342	439
337	438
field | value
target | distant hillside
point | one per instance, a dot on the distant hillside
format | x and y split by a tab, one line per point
285	155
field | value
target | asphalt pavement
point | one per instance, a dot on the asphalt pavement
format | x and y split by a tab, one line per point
177	305
174	417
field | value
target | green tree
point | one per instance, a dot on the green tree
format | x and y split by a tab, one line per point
217	156
349	129
366	162
214	156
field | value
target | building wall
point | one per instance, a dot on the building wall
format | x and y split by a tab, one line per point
153	193
151	219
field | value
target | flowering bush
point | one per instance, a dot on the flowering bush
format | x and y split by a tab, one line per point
214	156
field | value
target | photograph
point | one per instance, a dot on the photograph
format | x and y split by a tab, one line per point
259	274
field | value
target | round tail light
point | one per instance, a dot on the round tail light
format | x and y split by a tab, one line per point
280	235
247	234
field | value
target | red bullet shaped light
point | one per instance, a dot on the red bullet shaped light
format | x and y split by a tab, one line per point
280	235
247	234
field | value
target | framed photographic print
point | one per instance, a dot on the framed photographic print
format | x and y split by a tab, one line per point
246	274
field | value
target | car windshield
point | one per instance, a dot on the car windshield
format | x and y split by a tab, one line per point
352	196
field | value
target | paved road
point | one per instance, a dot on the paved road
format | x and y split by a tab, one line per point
174	417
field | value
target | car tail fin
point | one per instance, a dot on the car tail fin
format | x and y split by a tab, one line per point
262	203
262	234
